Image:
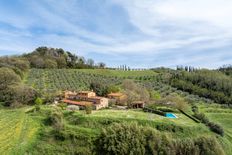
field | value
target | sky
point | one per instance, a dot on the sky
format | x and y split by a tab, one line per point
138	33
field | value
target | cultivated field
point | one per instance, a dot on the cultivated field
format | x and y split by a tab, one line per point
119	73
17	131
51	80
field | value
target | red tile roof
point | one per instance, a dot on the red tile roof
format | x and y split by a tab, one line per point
75	102
116	94
96	97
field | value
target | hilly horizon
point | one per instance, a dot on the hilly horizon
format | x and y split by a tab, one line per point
116	77
133	32
52	49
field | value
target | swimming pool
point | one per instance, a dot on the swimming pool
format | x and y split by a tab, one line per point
170	115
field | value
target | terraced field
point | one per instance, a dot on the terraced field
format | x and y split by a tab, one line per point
17	131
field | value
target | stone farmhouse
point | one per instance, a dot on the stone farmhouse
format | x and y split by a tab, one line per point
83	98
117	97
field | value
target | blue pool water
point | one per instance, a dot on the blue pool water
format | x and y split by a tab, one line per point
170	115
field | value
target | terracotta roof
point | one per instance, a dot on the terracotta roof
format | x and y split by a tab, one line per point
138	102
86	92
96	97
116	94
70	92
76	102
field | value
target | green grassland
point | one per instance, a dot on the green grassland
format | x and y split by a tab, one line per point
22	132
86	127
222	116
18	131
188	128
182	126
140	115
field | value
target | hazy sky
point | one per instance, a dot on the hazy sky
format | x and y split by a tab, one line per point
139	33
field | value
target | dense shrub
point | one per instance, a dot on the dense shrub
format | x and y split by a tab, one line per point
169	127
155	111
216	128
55	119
201	117
123	139
166	109
20	94
195	109
88	108
198	146
213	126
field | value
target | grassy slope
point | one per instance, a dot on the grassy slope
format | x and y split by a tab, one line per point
17	131
191	129
223	117
87	127
138	114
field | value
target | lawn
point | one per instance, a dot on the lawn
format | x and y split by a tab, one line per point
181	127
17	131
223	117
140	115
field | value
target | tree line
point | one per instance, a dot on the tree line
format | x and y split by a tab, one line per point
12	90
205	83
226	69
44	57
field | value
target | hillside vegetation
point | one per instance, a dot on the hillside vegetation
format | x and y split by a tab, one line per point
78	133
205	83
32	123
223	117
52	80
44	57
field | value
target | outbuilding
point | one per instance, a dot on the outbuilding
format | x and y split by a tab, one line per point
138	104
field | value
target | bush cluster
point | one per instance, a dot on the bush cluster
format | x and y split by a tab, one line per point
169	127
124	139
213	126
205	83
155	111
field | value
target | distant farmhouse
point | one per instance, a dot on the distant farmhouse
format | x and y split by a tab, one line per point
83	98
